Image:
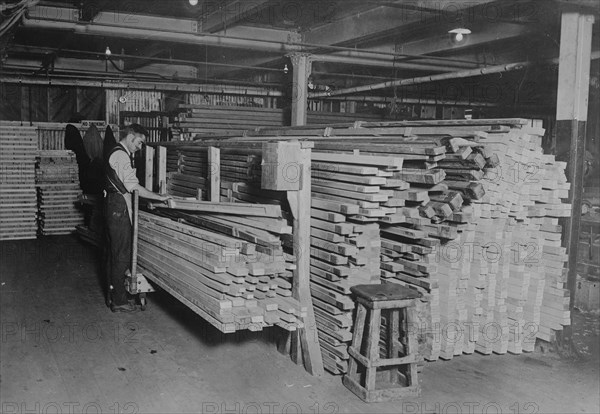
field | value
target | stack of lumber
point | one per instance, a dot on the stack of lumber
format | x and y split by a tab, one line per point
351	195
241	165
345	242
478	232
206	120
392	181
57	182
18	148
495	276
527	190
322	117
231	268
187	169
466	211
218	120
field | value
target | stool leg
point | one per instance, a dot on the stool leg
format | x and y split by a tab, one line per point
393	339
411	344
373	347
357	337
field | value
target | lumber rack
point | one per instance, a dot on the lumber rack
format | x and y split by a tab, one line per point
302	343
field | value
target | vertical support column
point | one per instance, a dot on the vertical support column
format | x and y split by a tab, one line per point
571	117
162	170
149	178
302	65
107	102
214	173
300	203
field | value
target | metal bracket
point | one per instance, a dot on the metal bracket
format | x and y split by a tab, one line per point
137	284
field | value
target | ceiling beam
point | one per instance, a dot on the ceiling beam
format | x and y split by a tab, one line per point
221	15
262	33
63	64
115	18
151	50
144	27
441	43
359	27
383	20
127	32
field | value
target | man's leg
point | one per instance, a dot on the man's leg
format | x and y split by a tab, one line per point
119	234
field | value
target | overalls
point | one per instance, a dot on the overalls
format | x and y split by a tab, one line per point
118	224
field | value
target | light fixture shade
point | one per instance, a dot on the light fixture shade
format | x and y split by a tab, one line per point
458	34
193	2
107	52
460	30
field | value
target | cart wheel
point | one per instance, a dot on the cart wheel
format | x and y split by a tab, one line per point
143	301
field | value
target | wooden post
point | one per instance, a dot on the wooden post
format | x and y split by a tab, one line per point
571	117
214	172
134	237
162	170
300	203
301	63
149	182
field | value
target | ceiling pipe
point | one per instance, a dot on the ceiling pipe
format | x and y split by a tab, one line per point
102	55
154	86
387	100
354	60
425	60
424	79
18	48
434	78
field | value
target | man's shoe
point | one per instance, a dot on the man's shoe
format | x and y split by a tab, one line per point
127	308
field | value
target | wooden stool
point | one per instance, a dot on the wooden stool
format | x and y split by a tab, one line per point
390	373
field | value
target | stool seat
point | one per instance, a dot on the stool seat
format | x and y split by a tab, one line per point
384	292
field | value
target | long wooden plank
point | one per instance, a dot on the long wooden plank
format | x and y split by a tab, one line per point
334	206
349	178
377	197
262	210
385	162
202	234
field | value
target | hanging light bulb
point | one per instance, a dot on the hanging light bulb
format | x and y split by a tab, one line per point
286	69
107	52
458	35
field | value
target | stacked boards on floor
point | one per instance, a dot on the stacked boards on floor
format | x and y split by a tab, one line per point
18	203
478	233
57	182
526	191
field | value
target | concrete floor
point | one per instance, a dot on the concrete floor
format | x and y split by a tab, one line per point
63	351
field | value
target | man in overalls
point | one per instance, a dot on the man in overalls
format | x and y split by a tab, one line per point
121	181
